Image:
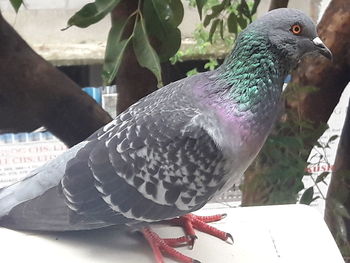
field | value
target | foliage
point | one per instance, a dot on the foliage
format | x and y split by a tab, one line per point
92	13
192	72
155	24
152	21
16	4
230	14
202	48
202	45
210	65
218	28
318	159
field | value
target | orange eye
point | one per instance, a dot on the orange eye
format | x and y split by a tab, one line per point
296	29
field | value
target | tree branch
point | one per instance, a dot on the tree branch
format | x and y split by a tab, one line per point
339	189
278	4
34	93
330	78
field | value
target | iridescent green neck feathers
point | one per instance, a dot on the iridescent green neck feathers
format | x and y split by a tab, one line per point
254	72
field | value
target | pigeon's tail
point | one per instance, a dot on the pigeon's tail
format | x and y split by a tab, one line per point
44	212
37	182
11	196
47	212
30	203
19	192
36	203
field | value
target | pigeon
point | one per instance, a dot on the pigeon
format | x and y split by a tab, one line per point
174	150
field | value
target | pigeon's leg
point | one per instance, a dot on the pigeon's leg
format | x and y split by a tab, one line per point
166	246
190	222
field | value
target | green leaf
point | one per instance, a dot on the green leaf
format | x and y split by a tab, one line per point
91	13
222	29
211	64
16	4
177	11
169	11
333	138
114	50
307	196
145	54
110	69
207	20
244	9
192	72
215	11
170	44
232	23
288	141
167	36
315	198
200	4
321	177
213	28
255	7
242	22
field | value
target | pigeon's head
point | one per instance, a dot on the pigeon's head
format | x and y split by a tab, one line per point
291	33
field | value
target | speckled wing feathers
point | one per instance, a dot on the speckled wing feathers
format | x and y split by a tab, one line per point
149	164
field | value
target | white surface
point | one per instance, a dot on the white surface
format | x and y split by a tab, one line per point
291	233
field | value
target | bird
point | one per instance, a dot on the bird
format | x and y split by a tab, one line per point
171	152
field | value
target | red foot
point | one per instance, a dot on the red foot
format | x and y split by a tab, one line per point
166	245
190	222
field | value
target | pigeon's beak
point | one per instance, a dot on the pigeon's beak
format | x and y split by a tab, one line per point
321	47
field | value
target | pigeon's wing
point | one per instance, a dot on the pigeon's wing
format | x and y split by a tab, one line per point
152	163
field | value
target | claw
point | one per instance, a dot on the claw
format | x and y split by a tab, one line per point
192	239
224	215
190	222
229	239
162	246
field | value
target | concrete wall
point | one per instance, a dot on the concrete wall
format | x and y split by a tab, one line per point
315	8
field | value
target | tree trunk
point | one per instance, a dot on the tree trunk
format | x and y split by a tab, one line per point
330	78
33	93
278	4
338	196
133	81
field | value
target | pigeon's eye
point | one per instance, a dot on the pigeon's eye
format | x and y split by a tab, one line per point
296	29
